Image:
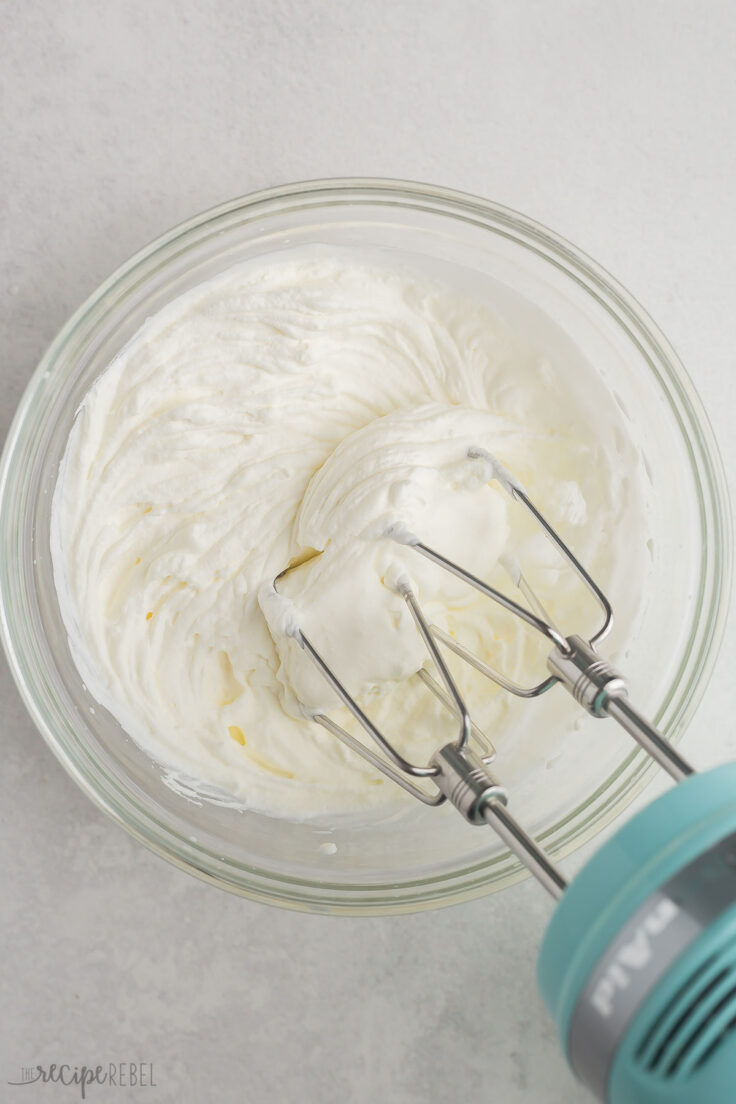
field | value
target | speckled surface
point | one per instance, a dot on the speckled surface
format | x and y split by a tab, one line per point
611	123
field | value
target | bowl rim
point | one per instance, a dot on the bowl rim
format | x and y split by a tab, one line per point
621	787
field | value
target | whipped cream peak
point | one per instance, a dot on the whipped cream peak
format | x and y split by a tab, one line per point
399	581
511	566
496	469
397	531
280	613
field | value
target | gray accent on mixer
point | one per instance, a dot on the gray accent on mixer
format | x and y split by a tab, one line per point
658	933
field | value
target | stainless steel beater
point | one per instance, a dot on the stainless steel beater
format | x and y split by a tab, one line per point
457	773
638	962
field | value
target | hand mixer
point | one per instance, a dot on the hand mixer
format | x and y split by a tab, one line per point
638	963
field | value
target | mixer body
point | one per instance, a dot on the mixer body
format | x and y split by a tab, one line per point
638	964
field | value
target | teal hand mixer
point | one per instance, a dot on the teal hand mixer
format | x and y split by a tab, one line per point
638	963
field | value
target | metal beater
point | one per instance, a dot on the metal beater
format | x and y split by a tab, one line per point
457	772
638	963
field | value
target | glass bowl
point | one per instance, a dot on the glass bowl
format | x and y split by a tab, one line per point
423	858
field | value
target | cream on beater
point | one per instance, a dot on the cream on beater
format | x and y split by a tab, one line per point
305	405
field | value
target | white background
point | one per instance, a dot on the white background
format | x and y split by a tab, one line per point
612	122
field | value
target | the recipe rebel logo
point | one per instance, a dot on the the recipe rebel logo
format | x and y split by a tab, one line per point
116	1075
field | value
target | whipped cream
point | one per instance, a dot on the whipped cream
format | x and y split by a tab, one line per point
318	411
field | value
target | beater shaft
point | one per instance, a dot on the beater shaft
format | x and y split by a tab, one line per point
649	738
464	780
523	846
455	773
601	690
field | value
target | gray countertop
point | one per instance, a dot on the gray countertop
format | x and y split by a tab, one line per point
613	124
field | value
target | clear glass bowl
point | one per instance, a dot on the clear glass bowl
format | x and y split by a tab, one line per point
431	857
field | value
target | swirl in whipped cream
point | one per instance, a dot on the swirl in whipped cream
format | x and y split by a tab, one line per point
297	410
